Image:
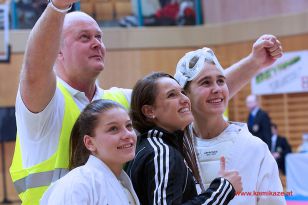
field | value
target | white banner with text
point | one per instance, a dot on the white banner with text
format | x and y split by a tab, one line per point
289	74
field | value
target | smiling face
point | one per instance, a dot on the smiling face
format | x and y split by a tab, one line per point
114	140
208	92
82	50
171	109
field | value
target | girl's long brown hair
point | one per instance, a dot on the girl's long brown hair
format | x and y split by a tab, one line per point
190	156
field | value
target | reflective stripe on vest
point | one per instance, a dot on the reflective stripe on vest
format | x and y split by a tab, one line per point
39	179
31	183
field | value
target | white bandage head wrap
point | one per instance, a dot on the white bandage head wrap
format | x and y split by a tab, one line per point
190	65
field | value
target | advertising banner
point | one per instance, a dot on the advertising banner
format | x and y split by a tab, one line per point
289	74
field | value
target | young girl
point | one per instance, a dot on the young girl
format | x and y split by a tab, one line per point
102	141
160	111
202	77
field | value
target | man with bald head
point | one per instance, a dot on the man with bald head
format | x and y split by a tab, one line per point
63	58
258	122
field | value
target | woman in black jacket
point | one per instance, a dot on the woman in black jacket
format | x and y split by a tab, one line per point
165	169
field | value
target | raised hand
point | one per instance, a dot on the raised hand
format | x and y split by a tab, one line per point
232	176
266	50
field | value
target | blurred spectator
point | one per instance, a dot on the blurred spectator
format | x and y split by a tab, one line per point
258	122
304	146
186	15
167	15
28	11
279	148
176	13
161	13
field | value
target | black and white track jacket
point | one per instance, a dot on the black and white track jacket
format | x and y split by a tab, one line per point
160	176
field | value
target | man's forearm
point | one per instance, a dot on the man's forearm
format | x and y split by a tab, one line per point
41	52
44	41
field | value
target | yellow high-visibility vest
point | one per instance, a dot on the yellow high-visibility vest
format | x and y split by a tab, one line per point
31	183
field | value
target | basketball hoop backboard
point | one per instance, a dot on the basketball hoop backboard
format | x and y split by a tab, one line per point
5	51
